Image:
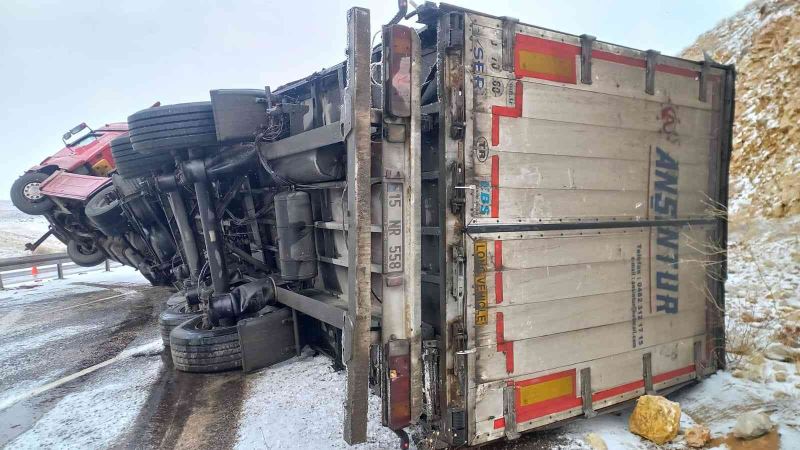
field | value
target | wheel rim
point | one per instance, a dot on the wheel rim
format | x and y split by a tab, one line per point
87	252
32	192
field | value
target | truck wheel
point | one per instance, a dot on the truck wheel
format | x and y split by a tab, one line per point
159	130
132	164
105	211
27	197
85	255
173	316
197	350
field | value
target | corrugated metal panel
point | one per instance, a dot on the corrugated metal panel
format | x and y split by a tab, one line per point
549	149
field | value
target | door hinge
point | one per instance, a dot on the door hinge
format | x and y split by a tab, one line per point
457	194
457	286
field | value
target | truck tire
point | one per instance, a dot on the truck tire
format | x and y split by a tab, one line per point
159	130
171	317
25	194
132	164
83	256
203	351
106	213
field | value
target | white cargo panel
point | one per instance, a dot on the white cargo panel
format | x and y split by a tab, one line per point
590	226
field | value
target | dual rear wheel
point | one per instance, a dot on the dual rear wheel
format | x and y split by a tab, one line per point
194	348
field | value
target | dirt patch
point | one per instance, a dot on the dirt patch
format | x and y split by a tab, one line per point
770	441
540	440
190	411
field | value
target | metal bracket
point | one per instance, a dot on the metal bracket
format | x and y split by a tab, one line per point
587	41
699	367
455	31
704	69
647	373
586	392
458	272
650	71
458	199
510	412
458	427
509	30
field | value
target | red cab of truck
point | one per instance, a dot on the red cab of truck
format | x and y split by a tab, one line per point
86	152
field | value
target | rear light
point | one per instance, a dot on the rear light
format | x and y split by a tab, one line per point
398	377
397	46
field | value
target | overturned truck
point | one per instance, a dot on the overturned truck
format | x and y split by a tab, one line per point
498	226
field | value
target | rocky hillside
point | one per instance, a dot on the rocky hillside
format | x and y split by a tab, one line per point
763	41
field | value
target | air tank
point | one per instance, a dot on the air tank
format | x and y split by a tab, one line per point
295	227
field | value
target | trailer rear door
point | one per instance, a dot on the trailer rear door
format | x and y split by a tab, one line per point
595	223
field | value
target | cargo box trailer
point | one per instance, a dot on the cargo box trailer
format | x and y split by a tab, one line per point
499	227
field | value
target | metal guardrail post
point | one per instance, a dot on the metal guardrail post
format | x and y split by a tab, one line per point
60	271
1	282
356	327
108	266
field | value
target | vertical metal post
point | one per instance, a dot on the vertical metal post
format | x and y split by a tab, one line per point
296	330
185	229
401	185
213	239
60	270
108	266
1	282
357	323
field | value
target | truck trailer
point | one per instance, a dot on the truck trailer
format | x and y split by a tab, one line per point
494	226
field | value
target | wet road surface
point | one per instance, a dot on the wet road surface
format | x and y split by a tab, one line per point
129	397
83	367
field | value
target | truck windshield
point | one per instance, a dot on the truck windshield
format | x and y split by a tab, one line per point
91	137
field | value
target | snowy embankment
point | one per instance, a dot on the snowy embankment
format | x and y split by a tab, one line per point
17	229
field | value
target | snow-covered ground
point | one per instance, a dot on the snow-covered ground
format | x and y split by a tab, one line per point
297	404
18	228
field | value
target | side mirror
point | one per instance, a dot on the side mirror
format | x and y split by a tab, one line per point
77	128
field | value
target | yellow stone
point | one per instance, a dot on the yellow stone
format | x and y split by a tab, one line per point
656	419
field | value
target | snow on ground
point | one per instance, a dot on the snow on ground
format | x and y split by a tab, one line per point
298	404
18	228
96	416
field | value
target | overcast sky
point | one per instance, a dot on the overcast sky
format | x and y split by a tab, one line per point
71	61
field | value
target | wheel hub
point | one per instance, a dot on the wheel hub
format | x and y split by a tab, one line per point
32	192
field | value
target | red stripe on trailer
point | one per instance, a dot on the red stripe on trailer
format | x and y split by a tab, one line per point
498	274
513	111
567	402
619	59
552	399
502	346
628	387
547	48
688	73
495	207
545	59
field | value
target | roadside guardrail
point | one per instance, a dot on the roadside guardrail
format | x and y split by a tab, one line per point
39	267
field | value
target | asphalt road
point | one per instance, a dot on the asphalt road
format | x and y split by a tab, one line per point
82	366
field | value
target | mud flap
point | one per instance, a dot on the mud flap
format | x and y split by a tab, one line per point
267	339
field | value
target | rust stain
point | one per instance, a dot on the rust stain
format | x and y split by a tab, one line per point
770	441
